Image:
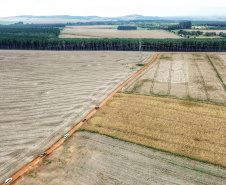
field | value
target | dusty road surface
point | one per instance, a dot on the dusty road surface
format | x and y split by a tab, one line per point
87	32
183	75
43	94
184	127
89	158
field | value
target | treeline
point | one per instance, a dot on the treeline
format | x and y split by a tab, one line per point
192	33
209	23
222	34
197	33
41	43
181	25
28	31
127	28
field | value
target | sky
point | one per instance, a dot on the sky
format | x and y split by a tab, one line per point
112	8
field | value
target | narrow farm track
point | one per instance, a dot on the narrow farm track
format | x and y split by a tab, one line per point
44	93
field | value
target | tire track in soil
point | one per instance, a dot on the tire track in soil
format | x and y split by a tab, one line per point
155	75
202	78
186	71
103	160
170	75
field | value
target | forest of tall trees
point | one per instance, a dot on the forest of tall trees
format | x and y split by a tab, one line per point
127	28
46	43
39	38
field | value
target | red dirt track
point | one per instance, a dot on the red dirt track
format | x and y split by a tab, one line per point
51	149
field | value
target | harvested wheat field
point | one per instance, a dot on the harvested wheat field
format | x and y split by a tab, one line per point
183	75
43	94
75	32
187	128
88	158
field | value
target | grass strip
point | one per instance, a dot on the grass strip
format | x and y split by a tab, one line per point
157	149
140	64
219	76
174	97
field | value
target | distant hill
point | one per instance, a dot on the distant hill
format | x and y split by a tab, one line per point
69	18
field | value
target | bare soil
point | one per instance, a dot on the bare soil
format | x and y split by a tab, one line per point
75	32
219	61
184	76
94	159
43	94
184	127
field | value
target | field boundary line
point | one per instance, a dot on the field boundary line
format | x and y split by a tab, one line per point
154	148
39	159
218	74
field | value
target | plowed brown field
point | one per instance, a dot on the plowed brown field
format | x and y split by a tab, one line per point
43	94
187	128
88	158
183	75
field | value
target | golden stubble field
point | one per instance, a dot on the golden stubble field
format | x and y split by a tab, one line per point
98	32
88	158
185	76
184	127
43	94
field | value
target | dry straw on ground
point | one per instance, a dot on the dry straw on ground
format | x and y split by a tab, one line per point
187	128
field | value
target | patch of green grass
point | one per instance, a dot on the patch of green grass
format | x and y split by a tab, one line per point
158	149
139	85
173	97
139	28
175	31
164	57
140	64
46	162
33	174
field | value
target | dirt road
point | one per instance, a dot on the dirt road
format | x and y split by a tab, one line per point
43	94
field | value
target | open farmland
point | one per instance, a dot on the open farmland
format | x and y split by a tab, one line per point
183	75
187	128
88	158
89	32
43	94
